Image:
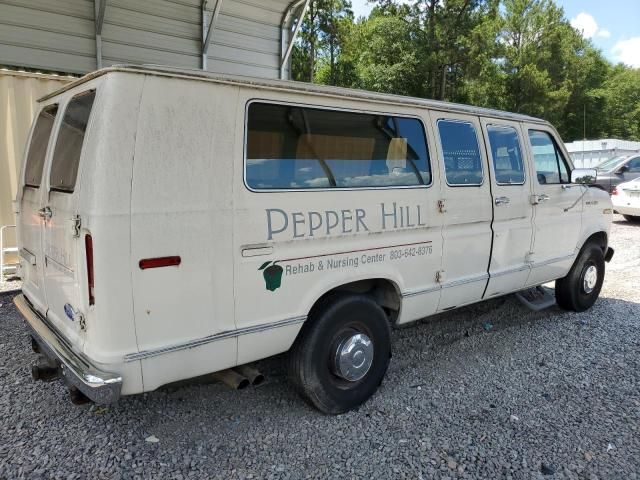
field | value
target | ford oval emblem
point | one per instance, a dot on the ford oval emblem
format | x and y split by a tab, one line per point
69	311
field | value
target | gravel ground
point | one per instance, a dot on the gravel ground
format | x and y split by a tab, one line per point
10	284
488	391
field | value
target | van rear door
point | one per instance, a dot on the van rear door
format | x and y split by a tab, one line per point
31	215
65	282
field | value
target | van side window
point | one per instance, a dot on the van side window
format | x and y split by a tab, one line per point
66	156
38	146
462	161
551	166
292	147
507	155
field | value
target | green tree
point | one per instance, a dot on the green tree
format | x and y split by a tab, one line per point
515	55
621	96
321	38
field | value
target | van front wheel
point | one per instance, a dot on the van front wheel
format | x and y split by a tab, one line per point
342	354
580	289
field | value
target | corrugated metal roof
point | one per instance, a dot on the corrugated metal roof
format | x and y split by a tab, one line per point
298	87
60	35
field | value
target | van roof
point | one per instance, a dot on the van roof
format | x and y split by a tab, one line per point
269	84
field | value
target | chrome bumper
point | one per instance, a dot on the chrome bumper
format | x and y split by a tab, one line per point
101	387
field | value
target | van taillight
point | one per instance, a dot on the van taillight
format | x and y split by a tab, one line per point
88	248
614	191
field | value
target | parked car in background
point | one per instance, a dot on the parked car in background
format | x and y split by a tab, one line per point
626	200
617	170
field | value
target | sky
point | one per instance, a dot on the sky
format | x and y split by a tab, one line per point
612	25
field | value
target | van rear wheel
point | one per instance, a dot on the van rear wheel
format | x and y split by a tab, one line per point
580	289
342	354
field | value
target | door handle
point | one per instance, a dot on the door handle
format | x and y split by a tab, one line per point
502	201
536	199
45	213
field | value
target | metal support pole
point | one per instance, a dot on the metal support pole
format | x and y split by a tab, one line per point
288	38
208	25
100	6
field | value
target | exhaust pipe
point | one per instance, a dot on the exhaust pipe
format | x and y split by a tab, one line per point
77	397
253	375
231	378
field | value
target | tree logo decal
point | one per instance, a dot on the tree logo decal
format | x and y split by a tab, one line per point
272	274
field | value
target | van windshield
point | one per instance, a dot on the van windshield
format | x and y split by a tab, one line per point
38	146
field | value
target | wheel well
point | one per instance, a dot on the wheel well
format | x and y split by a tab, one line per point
600	239
383	291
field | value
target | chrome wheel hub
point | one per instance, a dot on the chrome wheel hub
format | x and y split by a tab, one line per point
590	279
353	357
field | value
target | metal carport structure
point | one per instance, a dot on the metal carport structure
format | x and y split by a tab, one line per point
246	37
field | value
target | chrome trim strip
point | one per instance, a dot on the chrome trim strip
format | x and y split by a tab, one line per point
131	357
456	283
58	265
464	281
413	293
27	256
100	386
552	260
521	268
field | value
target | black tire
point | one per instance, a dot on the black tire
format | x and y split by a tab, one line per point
632	218
311	360
572	293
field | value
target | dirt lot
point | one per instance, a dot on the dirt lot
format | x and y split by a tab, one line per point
489	391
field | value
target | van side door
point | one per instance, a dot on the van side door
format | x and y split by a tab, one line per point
467	207
557	206
512	210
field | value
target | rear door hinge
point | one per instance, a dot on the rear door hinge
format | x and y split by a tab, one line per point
440	276
441	206
76	223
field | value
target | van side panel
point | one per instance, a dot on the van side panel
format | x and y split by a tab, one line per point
104	210
181	205
315	241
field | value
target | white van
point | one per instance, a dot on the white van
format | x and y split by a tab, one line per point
177	223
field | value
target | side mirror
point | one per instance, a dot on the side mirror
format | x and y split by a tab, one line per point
622	169
584	176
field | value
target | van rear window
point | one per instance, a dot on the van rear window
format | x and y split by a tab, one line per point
38	146
292	147
66	156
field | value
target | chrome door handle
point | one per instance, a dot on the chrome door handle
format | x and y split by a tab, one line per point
536	199
45	213
502	201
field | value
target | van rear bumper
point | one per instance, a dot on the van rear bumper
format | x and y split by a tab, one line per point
100	386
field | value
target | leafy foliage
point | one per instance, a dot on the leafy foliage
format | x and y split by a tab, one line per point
516	55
